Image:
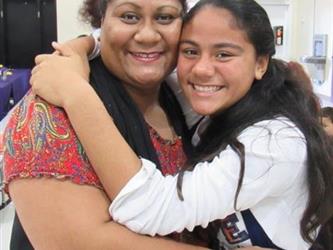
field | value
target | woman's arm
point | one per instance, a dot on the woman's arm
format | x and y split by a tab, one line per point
62	215
58	197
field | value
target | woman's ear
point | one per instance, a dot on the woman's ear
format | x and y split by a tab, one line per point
261	67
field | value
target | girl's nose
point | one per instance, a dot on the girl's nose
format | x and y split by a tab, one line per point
204	68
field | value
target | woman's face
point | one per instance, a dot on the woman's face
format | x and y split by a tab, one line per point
139	40
217	64
328	125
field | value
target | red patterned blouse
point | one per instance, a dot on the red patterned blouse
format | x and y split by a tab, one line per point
40	142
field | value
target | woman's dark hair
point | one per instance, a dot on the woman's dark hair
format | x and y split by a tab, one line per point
327	112
92	11
278	93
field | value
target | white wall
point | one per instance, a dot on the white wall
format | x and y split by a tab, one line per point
324	16
314	17
69	25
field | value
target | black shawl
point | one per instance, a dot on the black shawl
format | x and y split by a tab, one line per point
126	115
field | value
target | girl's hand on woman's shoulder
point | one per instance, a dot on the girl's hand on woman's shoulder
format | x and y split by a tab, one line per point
60	77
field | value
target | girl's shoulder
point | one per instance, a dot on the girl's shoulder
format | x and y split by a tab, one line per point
280	126
279	139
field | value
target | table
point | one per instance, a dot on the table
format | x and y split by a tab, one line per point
14	86
20	83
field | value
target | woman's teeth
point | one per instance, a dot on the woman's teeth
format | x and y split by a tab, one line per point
147	56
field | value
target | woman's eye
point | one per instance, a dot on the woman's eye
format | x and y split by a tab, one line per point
130	18
165	19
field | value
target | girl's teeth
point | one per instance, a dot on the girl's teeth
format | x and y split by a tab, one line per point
209	89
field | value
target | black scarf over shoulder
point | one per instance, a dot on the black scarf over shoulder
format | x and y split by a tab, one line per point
129	121
126	115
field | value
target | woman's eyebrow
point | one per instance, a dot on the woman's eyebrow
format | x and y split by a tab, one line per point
129	3
167	7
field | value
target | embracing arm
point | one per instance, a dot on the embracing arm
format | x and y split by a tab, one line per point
63	215
89	118
209	190
84	45
57	195
60	215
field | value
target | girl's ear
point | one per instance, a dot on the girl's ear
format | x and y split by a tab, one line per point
261	67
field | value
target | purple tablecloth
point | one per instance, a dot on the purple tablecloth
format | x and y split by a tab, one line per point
5	92
20	83
16	86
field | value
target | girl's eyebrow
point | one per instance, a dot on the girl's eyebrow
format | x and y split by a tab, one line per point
189	42
216	46
228	45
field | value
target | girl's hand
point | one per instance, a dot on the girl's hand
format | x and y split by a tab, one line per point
59	77
83	46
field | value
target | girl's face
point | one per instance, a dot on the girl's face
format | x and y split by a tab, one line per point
217	64
139	40
328	125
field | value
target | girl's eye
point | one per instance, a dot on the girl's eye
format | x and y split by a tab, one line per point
130	18
189	52
223	55
165	19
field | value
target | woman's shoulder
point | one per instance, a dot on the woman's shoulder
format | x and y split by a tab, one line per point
40	141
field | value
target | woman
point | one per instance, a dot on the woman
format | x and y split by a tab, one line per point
51	180
263	162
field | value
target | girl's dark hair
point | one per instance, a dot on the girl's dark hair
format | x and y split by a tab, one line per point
327	112
92	11
278	93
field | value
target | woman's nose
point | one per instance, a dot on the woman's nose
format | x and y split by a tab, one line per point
147	33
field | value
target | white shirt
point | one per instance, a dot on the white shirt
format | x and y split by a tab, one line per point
274	188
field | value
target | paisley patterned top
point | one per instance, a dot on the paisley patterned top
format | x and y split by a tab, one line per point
40	142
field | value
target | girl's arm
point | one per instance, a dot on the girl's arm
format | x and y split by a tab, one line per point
149	203
86	46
